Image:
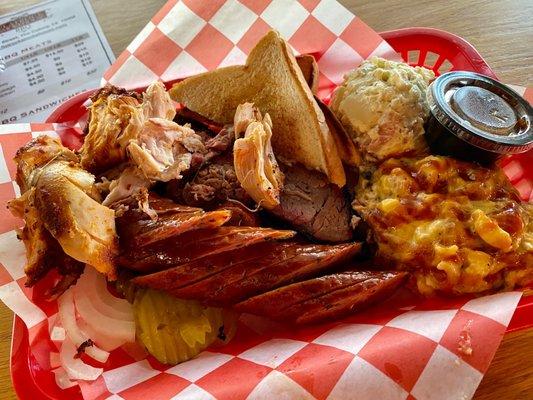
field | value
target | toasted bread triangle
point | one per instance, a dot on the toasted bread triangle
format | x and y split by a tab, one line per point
272	80
309	68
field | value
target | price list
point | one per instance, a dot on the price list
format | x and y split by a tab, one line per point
48	53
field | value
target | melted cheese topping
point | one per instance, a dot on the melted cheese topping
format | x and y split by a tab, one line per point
458	227
490	231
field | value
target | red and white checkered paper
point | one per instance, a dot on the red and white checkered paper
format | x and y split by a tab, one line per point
392	351
188	37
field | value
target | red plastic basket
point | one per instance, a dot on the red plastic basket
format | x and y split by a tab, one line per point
435	49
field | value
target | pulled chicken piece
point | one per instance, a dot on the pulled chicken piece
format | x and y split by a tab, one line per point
84	228
115	118
35	154
130	181
164	149
43	252
255	164
157	103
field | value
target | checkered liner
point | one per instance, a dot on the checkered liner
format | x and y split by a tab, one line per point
188	37
437	350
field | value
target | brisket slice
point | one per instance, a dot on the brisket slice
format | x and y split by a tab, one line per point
313	206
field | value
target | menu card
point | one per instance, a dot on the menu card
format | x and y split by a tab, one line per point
48	53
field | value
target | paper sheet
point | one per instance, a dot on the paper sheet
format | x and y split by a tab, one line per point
48	53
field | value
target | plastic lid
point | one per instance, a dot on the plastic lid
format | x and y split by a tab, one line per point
482	112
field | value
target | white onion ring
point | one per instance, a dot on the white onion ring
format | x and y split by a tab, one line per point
67	314
94	285
104	342
75	367
100	323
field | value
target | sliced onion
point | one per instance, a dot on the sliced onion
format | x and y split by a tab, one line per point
67	314
62	379
94	285
104	342
54	360
100	323
75	367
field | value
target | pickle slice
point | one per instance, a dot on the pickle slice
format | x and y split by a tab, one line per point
175	330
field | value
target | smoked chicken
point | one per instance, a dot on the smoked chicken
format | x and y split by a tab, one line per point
255	164
115	118
163	149
60	202
84	228
129	182
157	103
43	252
31	157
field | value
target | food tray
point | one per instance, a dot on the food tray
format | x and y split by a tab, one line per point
435	49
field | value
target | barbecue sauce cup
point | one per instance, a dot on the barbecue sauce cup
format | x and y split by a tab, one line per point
475	118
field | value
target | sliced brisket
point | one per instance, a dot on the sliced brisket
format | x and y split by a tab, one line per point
312	205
